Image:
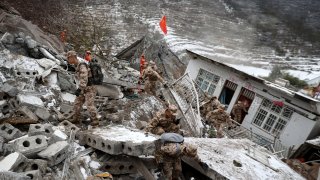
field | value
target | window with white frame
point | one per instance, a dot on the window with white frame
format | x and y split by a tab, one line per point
271	117
207	81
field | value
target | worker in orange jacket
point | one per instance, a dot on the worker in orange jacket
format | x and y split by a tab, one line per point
87	56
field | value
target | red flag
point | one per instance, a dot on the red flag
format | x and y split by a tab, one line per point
163	25
278	103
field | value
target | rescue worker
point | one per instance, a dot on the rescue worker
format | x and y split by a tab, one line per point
171	156
63	36
237	111
87	56
151	78
164	121
211	105
85	93
218	119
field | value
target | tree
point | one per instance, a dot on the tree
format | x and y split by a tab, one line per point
275	73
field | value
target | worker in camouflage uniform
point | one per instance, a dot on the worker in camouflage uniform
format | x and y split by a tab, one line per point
211	105
85	93
151	77
237	111
172	154
164	121
218	119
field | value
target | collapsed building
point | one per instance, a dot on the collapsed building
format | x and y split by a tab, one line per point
38	142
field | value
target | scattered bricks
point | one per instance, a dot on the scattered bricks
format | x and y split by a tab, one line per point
35	164
55	153
34	175
67	115
68	126
29	100
107	146
30	146
43	113
13	161
9	132
10	90
36	129
8	175
122	166
27	112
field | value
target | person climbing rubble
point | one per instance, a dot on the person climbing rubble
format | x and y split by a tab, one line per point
85	93
151	77
172	149
238	110
164	121
211	105
219	119
87	56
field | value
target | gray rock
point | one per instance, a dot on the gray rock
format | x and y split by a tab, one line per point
43	113
66	82
8	175
7	38
20	40
21	35
10	90
31	44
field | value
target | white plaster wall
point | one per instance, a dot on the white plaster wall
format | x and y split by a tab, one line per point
297	130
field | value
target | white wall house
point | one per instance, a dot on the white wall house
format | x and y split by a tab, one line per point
293	122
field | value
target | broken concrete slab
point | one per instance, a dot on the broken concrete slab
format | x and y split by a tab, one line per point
55	153
43	113
13	161
1	144
119	165
9	132
8	175
9	89
66	82
113	92
29	100
56	136
30	146
120	140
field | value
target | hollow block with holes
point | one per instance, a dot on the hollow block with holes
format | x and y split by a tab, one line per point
55	153
69	126
40	129
8	132
119	167
35	164
17	162
108	146
34	175
30	146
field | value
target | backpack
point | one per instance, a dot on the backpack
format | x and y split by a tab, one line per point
96	72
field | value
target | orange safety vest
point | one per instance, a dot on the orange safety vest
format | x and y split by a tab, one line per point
87	57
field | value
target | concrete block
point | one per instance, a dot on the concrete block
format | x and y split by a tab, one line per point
43	113
40	129
107	146
4	107
66	108
1	144
56	136
67	97
133	149
81	138
120	166
3	96
10	90
13	162
8	175
27	112
9	132
29	100
30	146
34	175
25	73
68	126
55	153
35	164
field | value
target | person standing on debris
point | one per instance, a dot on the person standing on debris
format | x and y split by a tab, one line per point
87	56
238	110
218	119
172	150
151	77
164	121
211	105
63	36
85	93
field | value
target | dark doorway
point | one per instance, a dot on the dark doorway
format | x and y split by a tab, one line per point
246	97
227	93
